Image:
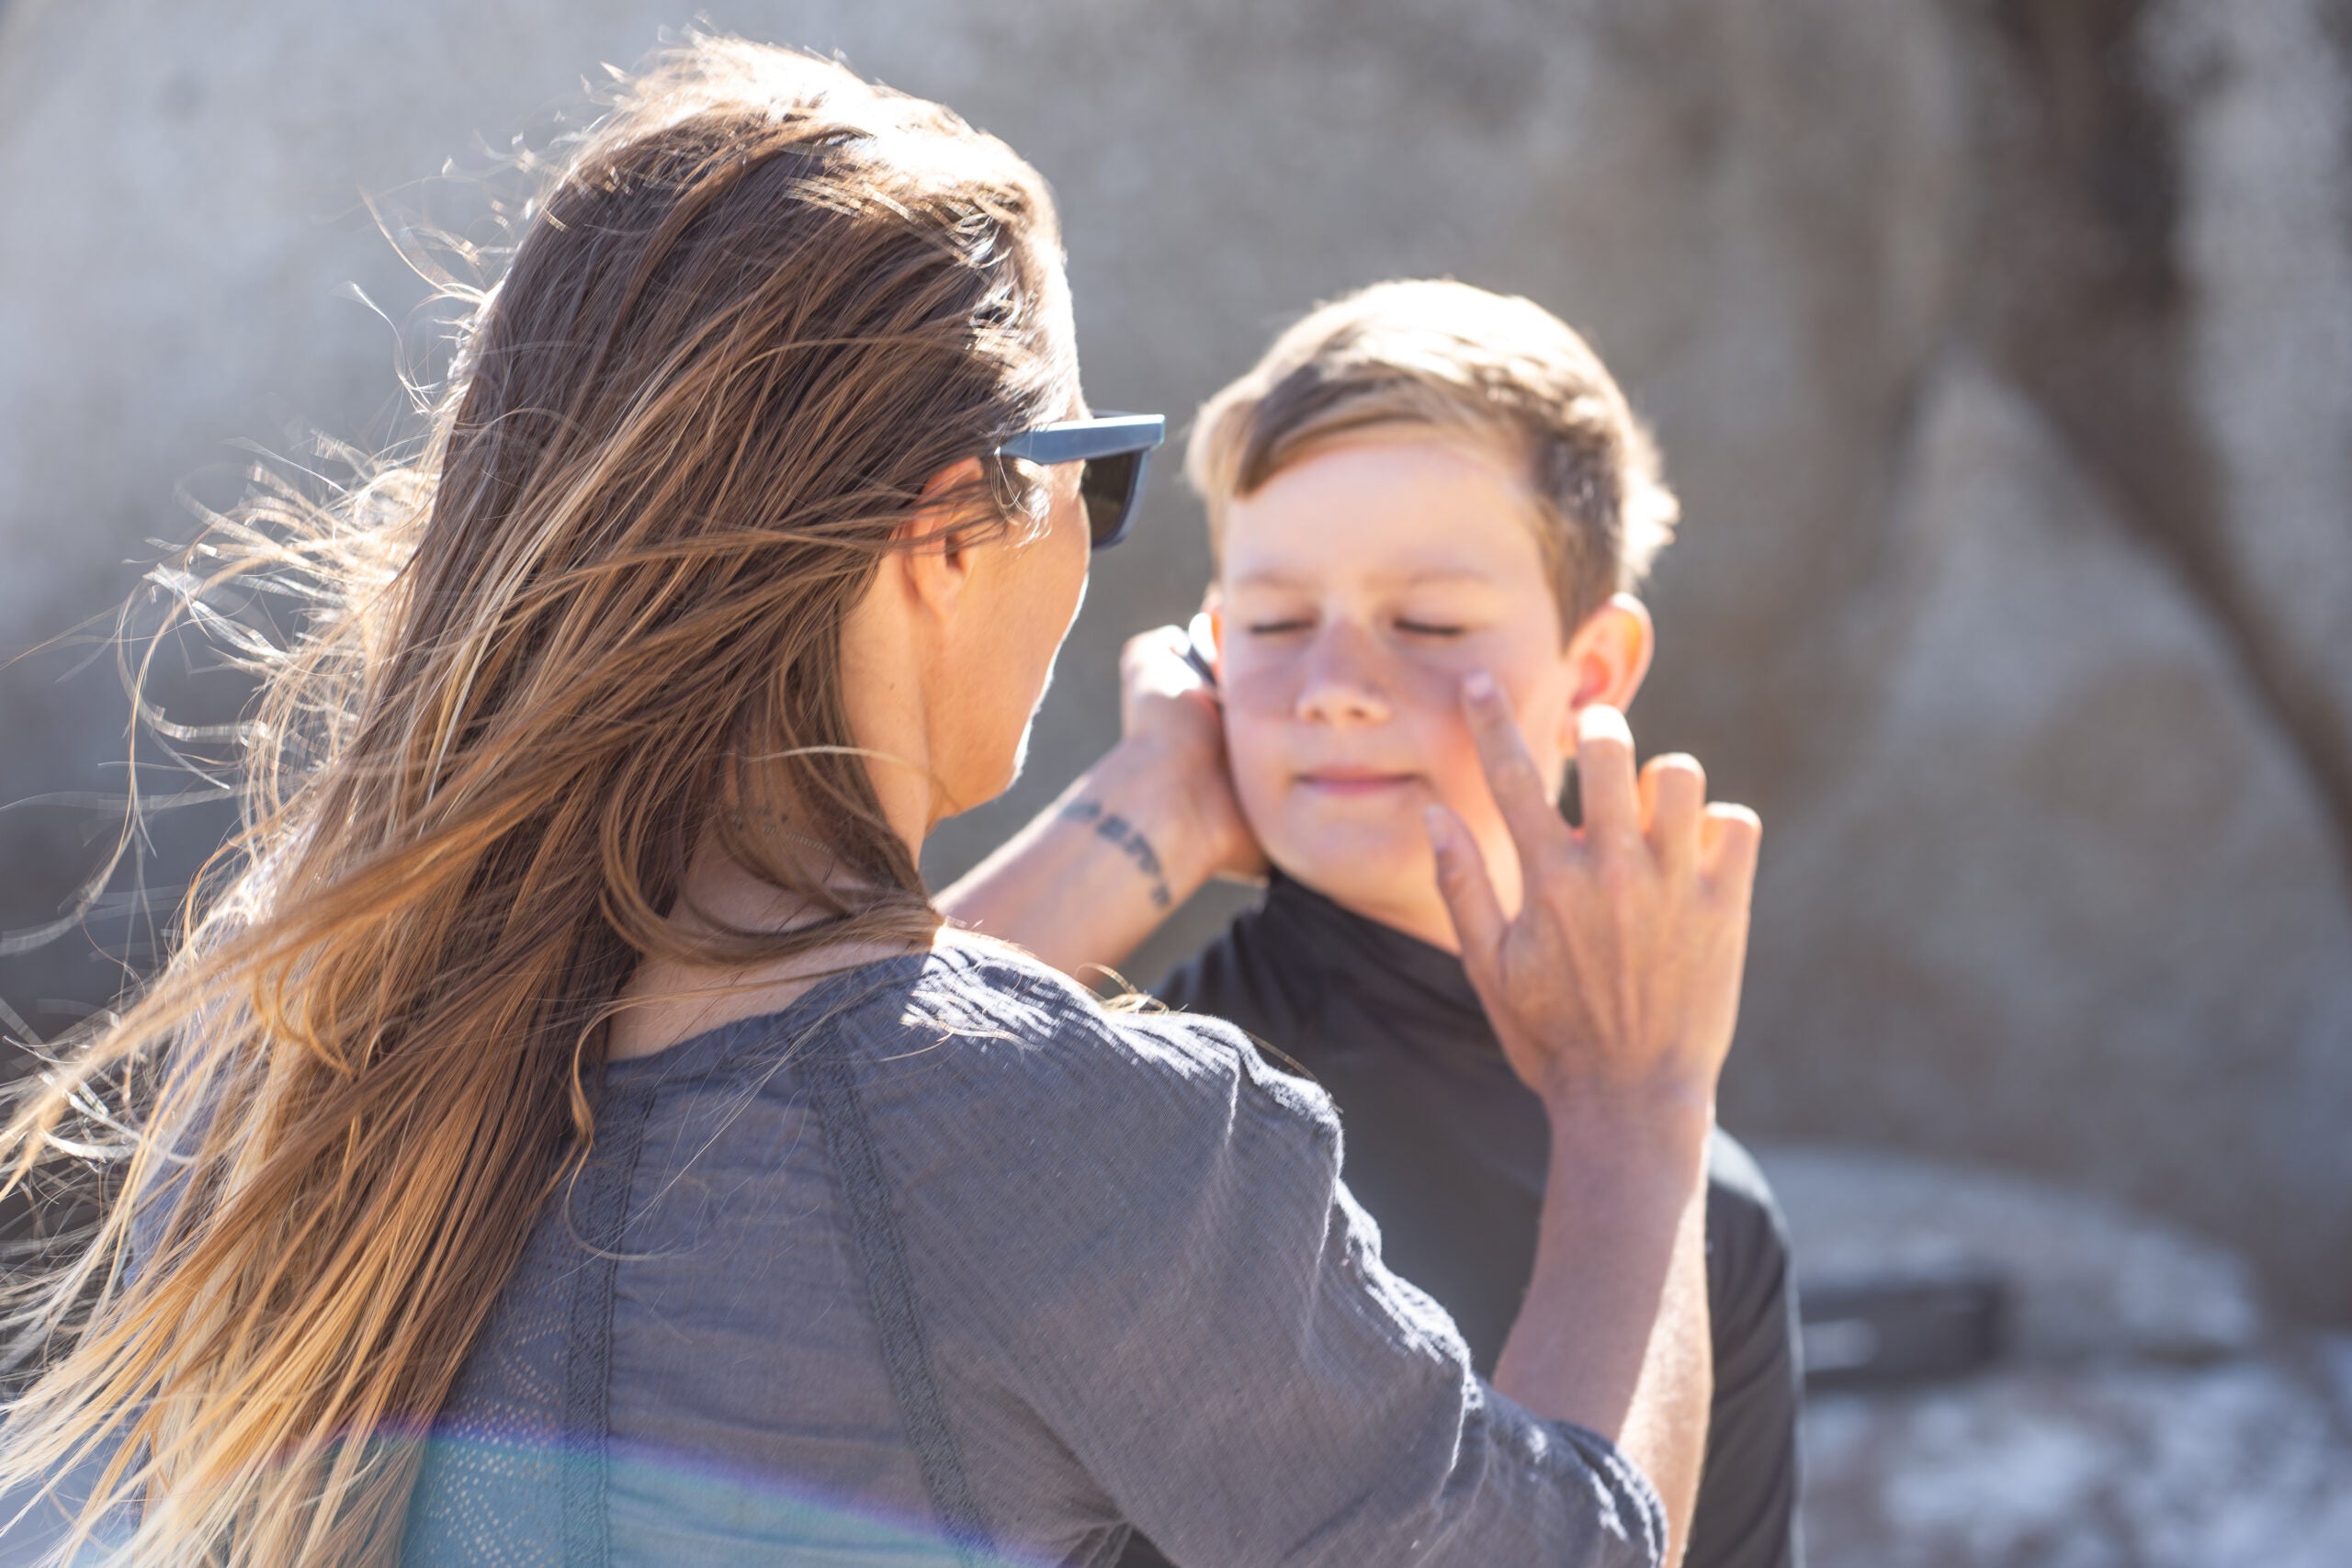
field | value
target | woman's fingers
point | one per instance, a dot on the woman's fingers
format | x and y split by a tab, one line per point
1160	686
1605	783
1469	894
1511	774
1153	640
1674	799
1156	658
1729	838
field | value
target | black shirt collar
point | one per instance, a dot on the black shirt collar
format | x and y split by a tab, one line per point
1381	964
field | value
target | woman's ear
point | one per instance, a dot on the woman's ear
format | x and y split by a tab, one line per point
940	564
1609	655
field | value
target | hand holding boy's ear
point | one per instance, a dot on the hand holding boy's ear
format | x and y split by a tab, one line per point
1166	707
1619	978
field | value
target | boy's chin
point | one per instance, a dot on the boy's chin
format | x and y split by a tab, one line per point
1359	866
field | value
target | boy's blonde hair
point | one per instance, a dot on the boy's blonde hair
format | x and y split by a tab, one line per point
1442	353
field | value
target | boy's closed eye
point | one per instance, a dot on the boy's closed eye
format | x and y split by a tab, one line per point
1432	631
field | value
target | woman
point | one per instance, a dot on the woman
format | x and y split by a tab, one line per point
579	1140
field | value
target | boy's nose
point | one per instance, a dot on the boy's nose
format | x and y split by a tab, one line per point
1341	684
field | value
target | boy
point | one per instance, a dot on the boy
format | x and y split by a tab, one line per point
1417	482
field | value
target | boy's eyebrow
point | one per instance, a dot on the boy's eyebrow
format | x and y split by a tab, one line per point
1268	577
1274	577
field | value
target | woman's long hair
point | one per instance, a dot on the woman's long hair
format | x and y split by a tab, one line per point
595	622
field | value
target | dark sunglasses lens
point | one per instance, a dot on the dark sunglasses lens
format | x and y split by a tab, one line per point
1108	486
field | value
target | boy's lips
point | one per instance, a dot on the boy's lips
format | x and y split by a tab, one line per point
1350	782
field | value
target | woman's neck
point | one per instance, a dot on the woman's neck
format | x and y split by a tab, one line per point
668	1000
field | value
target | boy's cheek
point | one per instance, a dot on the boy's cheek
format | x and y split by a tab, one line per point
1255	762
1459	780
1267	689
1464	789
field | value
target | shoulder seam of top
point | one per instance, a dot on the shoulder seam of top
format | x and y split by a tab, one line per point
897	1317
599	1225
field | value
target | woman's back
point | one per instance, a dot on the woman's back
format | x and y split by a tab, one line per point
687	1327
1136	1291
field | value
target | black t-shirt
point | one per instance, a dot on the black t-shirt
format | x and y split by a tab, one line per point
1447	1150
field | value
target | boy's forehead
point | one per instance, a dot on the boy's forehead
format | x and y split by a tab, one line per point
1422	507
1280	575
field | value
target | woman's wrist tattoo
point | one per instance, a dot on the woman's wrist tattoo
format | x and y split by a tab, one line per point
1128	840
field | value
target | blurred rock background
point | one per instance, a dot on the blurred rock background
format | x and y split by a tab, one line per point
2000	349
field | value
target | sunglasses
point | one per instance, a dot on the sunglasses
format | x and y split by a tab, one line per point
1116	448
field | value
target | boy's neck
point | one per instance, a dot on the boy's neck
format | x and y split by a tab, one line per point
1424	921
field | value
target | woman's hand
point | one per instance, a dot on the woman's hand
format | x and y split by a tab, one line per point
1614	990
1168	716
1617	983
1131	837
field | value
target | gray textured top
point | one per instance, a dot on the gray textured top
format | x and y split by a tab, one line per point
1135	1294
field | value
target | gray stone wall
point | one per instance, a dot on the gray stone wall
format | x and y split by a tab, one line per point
2002	352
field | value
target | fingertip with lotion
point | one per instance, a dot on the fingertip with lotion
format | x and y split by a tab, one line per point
1599	721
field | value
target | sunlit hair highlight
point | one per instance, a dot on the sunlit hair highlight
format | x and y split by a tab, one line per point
594	623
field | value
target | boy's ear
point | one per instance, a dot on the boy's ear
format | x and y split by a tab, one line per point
1609	655
1213	606
937	567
